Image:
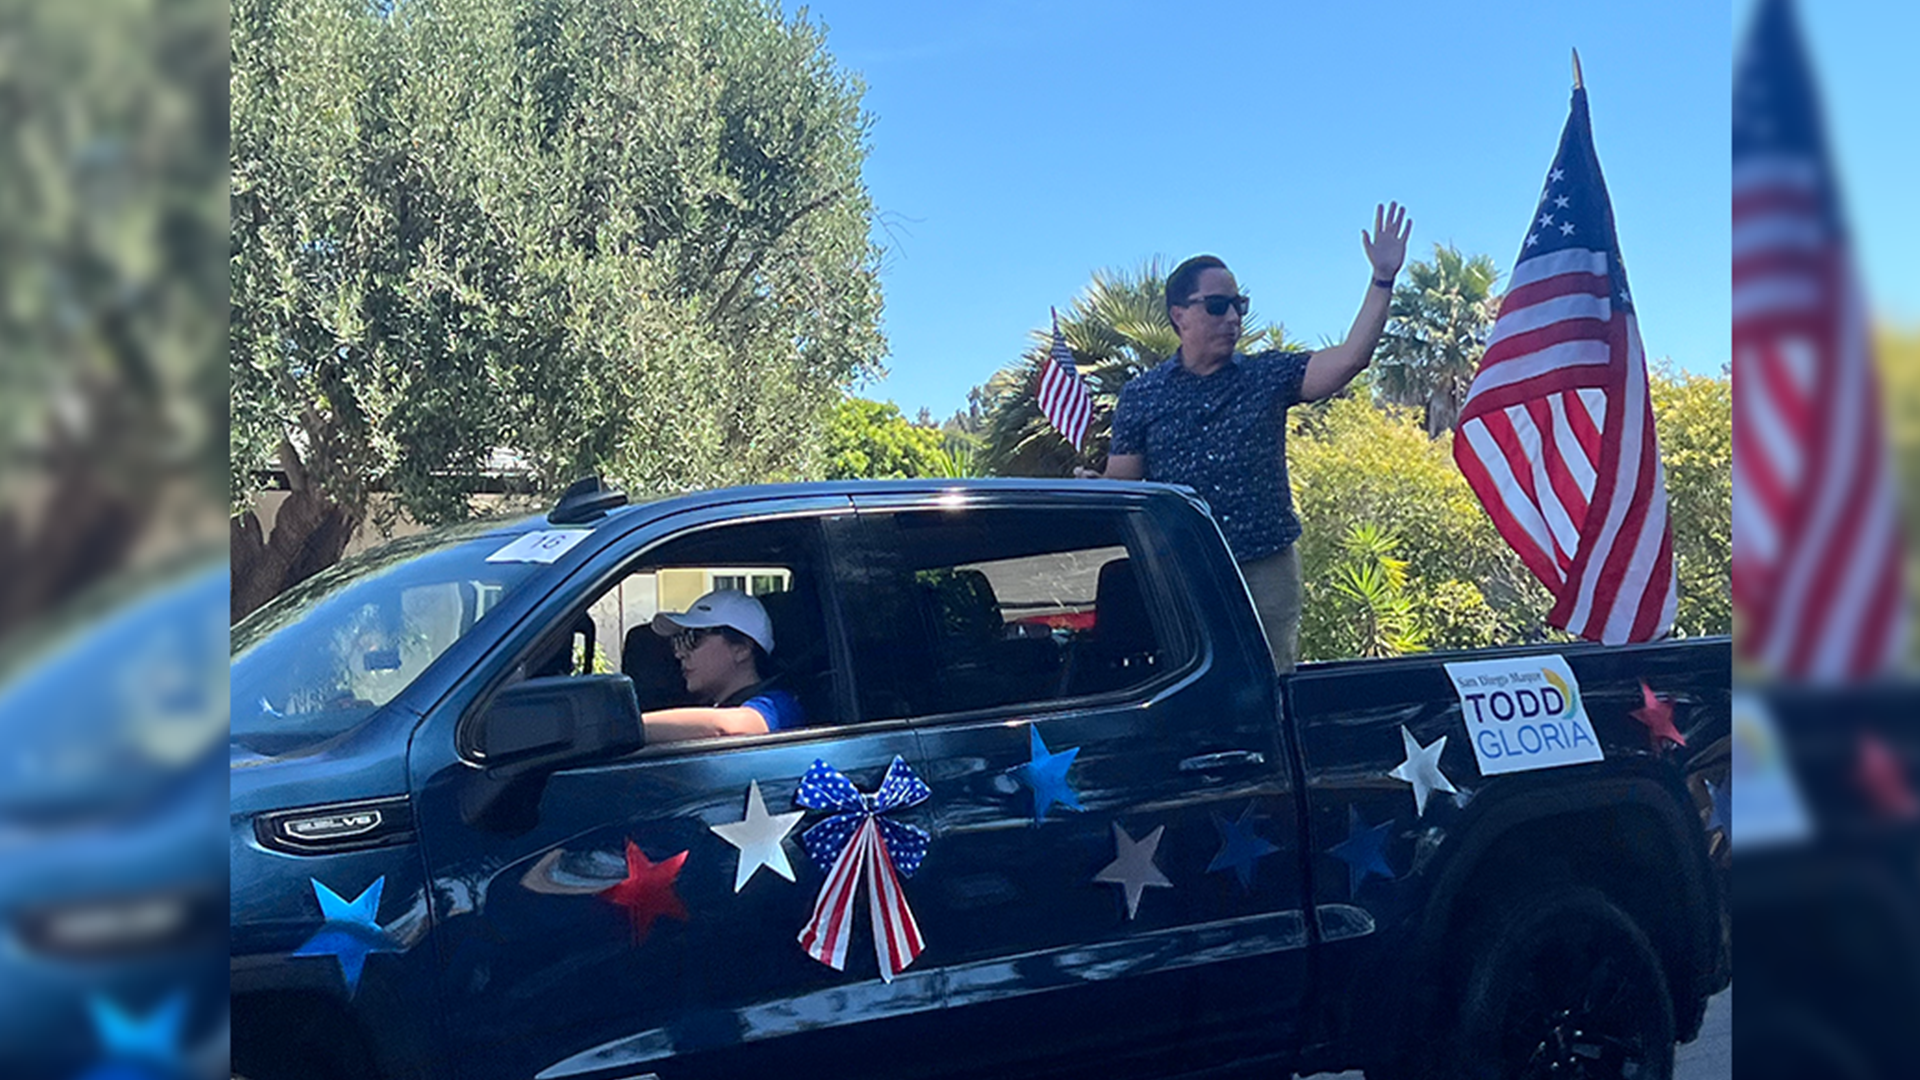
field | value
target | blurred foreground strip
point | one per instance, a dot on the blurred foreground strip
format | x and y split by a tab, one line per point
113	696
1825	805
1817	562
1826	892
113	885
113	298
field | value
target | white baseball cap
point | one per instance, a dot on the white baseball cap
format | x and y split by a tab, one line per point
721	607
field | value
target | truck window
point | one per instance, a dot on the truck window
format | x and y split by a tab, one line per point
774	562
955	612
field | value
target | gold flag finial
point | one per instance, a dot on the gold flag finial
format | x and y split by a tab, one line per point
1578	82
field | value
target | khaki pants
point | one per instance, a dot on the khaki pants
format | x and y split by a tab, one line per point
1275	584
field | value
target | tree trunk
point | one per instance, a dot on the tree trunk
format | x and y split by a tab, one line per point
83	532
1443	411
83	504
309	534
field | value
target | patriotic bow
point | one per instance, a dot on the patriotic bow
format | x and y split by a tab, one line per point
857	843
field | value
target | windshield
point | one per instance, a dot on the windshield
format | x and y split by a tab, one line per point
320	658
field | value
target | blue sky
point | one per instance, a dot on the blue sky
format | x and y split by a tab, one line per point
1863	51
1019	147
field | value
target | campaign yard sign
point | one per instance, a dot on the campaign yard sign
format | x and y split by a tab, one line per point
1524	713
1766	798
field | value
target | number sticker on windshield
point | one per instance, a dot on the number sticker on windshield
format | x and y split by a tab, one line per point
1524	713
541	547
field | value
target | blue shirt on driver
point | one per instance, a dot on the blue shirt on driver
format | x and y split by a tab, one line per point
780	709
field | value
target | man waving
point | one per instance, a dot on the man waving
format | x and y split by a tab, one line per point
1215	420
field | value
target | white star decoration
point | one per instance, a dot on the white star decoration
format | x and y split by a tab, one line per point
1546	219
1532	239
1422	769
759	838
1562	202
1556	176
1566	229
1133	869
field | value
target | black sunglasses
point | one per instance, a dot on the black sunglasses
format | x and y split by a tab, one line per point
1217	304
686	641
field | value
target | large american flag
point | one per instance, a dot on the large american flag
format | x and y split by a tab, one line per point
1064	399
1816	551
1556	436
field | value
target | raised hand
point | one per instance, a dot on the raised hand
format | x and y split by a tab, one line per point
1387	246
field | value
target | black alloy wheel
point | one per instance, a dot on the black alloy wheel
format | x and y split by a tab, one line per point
1569	988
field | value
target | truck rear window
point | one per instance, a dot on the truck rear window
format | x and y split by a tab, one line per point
997	608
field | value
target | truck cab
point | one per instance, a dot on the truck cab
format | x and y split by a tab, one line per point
1050	810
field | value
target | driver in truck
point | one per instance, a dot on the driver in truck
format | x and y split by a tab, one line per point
723	643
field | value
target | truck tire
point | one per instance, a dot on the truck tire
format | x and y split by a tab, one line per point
1566	986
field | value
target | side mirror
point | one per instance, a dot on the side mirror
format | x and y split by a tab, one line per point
534	727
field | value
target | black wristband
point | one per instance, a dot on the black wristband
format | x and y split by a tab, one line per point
1383	283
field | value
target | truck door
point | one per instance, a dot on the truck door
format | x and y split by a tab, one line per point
1113	868
617	933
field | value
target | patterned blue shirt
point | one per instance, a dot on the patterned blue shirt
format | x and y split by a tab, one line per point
1225	436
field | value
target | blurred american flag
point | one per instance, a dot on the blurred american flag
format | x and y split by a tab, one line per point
1817	581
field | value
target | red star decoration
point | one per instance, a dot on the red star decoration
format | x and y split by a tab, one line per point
1657	715
647	893
1883	779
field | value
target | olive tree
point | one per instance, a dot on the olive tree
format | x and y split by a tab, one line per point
623	236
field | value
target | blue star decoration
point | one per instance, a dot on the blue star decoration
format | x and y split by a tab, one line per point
1722	816
140	1047
1364	850
1240	847
351	931
1046	774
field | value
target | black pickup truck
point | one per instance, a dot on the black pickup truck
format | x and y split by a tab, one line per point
1051	812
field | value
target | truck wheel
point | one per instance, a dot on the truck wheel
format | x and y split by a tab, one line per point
1567	986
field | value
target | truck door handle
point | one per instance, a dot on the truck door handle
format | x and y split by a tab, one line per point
1225	759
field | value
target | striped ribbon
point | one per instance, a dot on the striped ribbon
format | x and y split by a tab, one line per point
860	847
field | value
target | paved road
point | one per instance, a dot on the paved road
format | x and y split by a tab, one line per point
1709	1057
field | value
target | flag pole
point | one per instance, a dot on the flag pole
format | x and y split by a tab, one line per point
1578	82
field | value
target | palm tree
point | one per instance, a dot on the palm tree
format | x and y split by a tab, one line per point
1436	332
1117	329
1370	584
957	458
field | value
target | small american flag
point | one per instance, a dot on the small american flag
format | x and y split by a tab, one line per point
1556	436
1064	399
1816	547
